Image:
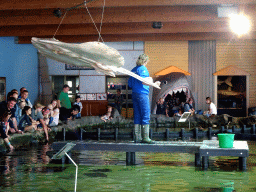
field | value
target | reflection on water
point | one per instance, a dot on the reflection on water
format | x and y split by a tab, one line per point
32	170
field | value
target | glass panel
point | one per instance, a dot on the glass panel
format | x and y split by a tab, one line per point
120	82
231	92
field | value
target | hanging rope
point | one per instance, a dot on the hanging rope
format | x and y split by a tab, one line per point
59	24
102	18
99	31
93	20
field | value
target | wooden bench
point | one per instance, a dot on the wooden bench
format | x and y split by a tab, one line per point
202	150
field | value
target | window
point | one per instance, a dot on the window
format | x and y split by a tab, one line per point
231	92
59	81
120	82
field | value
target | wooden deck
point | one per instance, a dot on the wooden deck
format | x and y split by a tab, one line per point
202	150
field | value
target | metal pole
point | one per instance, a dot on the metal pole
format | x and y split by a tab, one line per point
76	169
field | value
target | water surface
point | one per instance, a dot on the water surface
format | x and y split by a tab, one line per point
30	169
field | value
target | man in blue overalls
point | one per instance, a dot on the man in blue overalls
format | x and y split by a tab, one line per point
140	98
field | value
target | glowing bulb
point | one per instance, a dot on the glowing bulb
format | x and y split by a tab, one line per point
239	24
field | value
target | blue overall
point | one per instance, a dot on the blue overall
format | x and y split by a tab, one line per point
140	98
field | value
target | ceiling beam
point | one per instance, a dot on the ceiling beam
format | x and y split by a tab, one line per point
145	37
125	15
119	28
46	4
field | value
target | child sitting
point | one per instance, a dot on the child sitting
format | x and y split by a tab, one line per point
26	123
54	115
107	116
18	112
78	102
46	115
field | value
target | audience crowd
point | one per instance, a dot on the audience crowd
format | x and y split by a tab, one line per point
175	106
18	115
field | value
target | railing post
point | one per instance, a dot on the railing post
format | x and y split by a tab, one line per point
64	134
243	129
116	134
234	129
81	134
98	134
222	129
253	129
210	133
167	134
196	133
182	134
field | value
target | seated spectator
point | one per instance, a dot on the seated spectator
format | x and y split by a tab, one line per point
4	117
118	100
46	115
161	108
179	113
212	111
27	124
188	107
12	94
9	105
107	116
70	114
78	102
38	116
18	112
24	97
21	90
55	113
15	90
14	109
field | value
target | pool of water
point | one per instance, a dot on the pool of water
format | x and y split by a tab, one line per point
31	169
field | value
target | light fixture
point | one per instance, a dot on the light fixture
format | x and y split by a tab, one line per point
239	24
57	12
157	25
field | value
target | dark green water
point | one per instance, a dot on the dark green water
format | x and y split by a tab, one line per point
31	170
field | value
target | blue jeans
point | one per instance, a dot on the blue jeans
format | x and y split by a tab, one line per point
78	115
141	108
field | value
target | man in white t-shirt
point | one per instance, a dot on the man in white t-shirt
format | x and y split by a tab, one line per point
212	111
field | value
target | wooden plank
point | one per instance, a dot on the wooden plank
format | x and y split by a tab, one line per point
140	37
115	29
127	14
43	4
